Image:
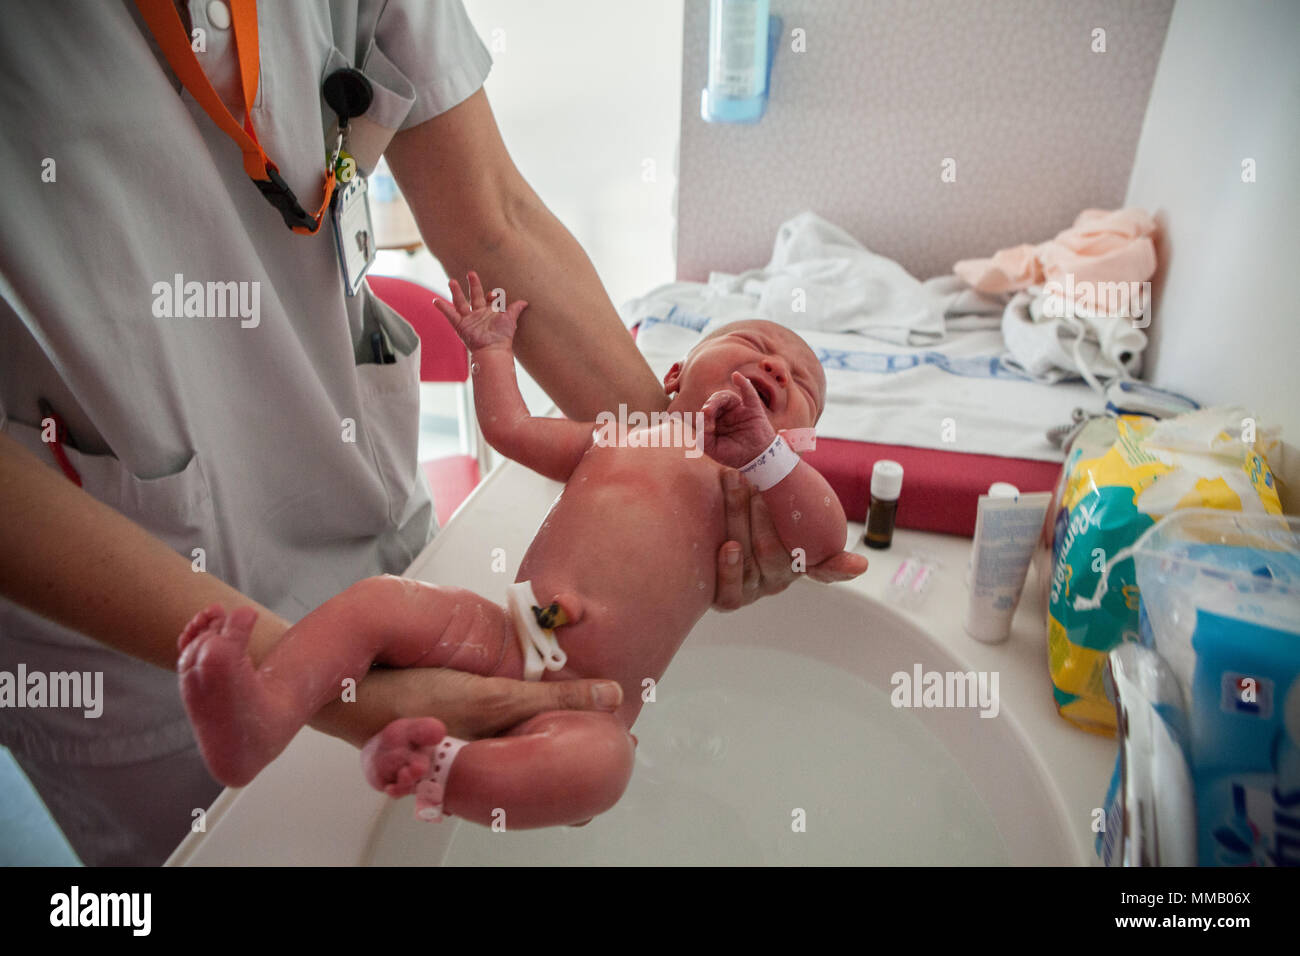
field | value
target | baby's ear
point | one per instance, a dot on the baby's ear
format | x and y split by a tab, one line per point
673	378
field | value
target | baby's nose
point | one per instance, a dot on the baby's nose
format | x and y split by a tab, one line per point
776	368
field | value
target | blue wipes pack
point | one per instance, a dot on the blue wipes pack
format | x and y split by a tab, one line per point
1220	606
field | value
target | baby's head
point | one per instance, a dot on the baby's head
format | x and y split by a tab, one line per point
781	366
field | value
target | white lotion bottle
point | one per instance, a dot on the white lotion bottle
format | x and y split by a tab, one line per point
999	489
1006	530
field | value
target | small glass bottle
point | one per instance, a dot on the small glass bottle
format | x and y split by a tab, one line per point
886	484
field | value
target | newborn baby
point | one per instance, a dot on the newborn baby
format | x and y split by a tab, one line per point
624	565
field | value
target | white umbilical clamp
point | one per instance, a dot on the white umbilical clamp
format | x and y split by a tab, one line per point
541	648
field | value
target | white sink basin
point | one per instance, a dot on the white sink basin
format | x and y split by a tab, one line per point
771	740
780	708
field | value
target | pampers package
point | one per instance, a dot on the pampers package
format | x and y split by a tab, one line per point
1221	610
1121	477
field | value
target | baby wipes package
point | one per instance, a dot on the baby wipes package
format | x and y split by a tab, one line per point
1121	477
1150	815
1221	609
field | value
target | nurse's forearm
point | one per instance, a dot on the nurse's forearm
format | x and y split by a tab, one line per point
76	561
475	211
571	340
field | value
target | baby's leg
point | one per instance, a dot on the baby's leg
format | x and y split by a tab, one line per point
244	716
560	767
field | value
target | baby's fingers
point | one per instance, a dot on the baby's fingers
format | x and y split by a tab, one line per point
449	310
458	298
476	292
718	403
748	394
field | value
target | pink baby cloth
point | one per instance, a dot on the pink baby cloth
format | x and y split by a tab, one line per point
1101	246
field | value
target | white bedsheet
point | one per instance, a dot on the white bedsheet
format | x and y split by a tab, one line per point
954	395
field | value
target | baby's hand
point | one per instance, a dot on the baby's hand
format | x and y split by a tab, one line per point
479	325
736	426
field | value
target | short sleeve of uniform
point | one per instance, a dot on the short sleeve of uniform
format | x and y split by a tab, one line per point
435	47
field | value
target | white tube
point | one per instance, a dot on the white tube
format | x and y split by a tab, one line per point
999	489
1006	530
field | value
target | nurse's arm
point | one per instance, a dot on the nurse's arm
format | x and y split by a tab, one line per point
475	210
72	559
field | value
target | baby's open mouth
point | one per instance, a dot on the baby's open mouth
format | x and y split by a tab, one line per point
764	391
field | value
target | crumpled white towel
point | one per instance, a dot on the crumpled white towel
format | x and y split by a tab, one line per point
821	278
1099	348
962	307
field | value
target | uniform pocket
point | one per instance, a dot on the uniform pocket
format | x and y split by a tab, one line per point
390	406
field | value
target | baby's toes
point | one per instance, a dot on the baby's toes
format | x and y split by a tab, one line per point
425	731
413	770
411	733
397	757
210	618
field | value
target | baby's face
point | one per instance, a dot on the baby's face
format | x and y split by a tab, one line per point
781	366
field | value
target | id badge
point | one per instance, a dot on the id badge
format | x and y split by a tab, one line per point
354	236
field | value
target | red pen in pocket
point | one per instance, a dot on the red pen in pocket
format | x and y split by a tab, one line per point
60	436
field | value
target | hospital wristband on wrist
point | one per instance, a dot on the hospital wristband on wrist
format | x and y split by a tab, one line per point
771	467
800	439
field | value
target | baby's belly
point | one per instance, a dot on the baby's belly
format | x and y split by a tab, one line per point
635	535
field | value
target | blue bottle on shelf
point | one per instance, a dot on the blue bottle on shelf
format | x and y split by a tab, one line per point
742	41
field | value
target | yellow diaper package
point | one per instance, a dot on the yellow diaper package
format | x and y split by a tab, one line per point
1121	476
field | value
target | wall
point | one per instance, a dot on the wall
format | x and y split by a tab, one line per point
586	94
1226	328
859	124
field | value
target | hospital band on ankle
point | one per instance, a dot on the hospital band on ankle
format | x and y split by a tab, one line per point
541	648
771	467
541	653
432	790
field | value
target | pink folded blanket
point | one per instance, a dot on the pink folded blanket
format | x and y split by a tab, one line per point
1101	246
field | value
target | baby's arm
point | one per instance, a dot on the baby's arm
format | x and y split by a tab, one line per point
803	506
550	446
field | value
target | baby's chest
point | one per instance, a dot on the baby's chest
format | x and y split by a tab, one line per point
655	485
662	469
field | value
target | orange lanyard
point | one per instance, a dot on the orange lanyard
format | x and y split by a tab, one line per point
165	23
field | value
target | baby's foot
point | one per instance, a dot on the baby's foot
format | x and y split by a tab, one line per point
241	726
397	758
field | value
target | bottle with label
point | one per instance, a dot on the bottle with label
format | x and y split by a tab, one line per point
886	485
738	61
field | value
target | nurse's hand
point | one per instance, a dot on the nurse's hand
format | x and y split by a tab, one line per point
471	706
753	563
